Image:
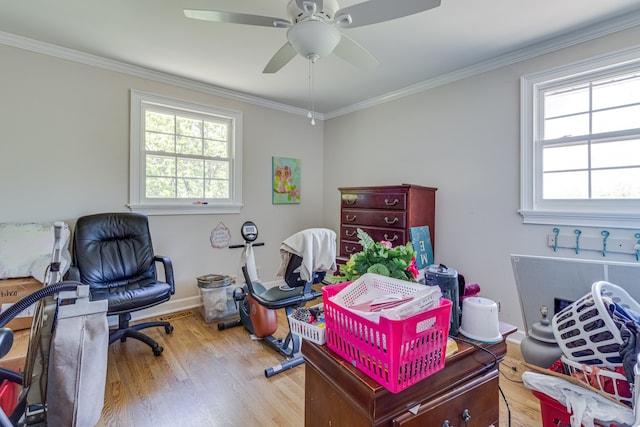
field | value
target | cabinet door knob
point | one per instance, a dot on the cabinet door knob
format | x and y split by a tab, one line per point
351	218
388	203
395	237
390	221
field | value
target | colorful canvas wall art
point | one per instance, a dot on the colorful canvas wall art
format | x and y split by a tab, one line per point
285	180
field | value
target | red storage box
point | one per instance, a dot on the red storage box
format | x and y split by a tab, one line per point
395	353
554	413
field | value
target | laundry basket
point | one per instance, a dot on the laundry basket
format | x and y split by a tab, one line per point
395	353
585	331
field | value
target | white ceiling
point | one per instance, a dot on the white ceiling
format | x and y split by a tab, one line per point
155	34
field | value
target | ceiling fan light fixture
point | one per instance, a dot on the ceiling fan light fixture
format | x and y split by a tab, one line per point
313	38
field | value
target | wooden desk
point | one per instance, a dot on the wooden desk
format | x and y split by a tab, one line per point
339	395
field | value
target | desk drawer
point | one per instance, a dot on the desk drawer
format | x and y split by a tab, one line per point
366	200
375	218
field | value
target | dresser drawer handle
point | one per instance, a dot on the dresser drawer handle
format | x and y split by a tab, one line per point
351	218
389	221
395	237
351	201
388	203
350	250
350	234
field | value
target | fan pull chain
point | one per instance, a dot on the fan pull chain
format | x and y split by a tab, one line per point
311	114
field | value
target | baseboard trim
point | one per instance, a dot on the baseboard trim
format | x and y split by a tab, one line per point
516	337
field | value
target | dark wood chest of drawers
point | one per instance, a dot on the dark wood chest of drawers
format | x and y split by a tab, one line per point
385	213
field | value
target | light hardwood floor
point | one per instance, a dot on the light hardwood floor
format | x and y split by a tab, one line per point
207	377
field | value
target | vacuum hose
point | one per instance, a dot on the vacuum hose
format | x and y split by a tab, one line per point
7	315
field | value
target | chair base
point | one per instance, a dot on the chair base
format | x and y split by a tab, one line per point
125	331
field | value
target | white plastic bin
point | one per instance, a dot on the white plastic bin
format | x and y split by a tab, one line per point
217	297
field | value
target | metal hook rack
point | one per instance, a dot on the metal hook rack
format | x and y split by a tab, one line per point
604	242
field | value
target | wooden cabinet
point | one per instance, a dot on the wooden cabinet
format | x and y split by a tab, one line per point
385	213
463	393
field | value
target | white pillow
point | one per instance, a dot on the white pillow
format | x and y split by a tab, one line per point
26	248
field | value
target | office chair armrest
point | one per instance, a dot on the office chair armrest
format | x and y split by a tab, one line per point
168	270
73	274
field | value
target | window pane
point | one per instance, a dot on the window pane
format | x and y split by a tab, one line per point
218	170
159	122
217	189
623	90
566	101
615	154
565	157
215	131
161	166
566	126
160	188
216	148
616	183
160	142
190	168
188	127
616	119
565	185
190	188
191	146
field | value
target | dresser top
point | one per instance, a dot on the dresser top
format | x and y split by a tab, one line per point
400	187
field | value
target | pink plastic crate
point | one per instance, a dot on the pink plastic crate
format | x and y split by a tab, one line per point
395	353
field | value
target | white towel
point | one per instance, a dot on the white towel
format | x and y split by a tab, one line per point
316	247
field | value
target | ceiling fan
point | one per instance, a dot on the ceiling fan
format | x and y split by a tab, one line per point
312	28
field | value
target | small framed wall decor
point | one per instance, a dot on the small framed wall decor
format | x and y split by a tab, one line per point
285	178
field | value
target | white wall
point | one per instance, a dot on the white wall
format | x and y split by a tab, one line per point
65	147
65	153
464	139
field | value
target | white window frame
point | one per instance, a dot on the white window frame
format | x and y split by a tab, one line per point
137	200
595	213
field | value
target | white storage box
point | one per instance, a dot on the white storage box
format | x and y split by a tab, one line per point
314	332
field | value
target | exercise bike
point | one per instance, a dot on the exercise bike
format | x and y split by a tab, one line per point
257	304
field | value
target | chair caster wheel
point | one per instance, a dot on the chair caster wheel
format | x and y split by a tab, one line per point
168	329
158	350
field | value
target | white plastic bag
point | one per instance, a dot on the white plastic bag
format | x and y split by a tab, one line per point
585	405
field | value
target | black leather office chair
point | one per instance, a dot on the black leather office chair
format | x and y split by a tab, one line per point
113	254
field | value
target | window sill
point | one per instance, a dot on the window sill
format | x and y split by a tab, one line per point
182	209
583	219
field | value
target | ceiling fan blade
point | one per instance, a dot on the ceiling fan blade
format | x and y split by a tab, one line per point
282	57
355	54
374	11
236	18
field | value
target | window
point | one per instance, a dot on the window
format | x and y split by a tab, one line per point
185	158
580	144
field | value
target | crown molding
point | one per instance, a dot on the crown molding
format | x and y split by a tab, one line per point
567	40
608	27
146	73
